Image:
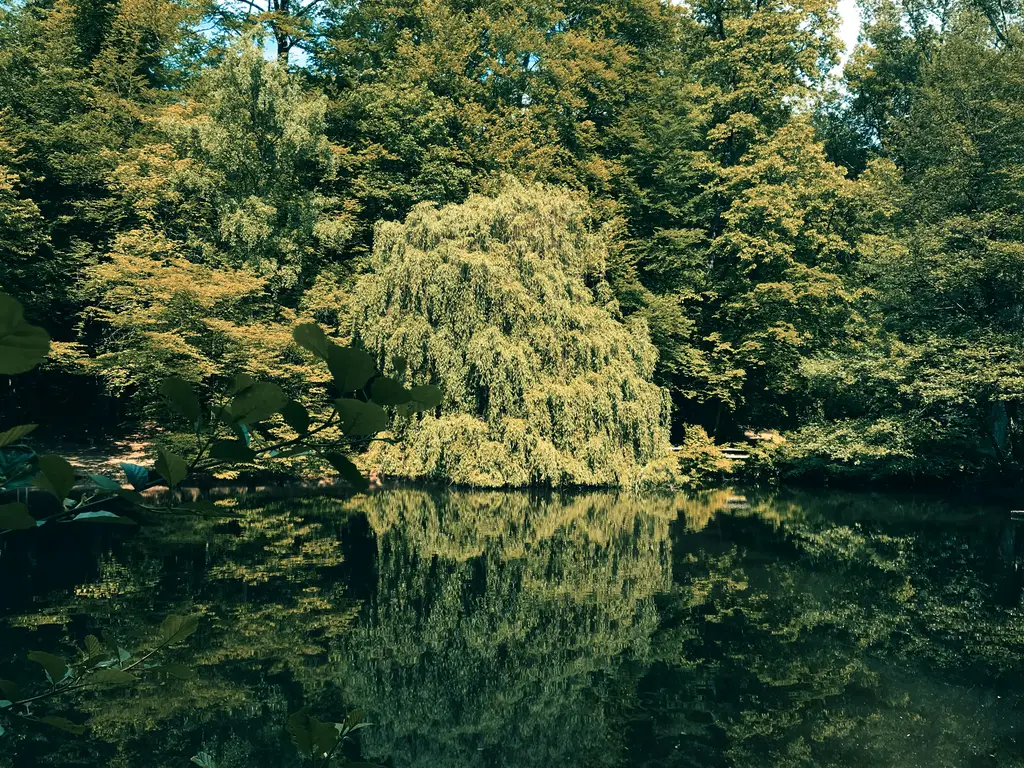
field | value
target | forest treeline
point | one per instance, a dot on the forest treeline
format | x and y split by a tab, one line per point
837	257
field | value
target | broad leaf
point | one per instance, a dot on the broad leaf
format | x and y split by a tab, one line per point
171	467
296	416
399	364
359	419
312	337
14	434
138	476
15	517
55	475
112	676
22	346
348	471
204	760
105	483
313	737
240	383
174	629
425	396
93	646
10	689
64	724
102	516
385	391
260	401
182	398
232	450
56	668
179	671
351	368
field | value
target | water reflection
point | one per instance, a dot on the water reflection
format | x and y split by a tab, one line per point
489	629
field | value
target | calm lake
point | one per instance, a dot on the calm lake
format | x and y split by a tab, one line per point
515	630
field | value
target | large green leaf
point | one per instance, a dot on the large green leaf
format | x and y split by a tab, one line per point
182	398
349	472
102	516
55	475
385	391
171	467
64	724
56	668
314	738
15	517
10	689
14	434
351	368
296	416
113	676
174	629
359	419
260	401
22	346
312	337
425	397
232	450
137	475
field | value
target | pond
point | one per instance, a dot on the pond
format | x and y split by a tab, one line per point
518	630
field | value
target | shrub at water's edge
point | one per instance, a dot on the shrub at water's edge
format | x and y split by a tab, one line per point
503	303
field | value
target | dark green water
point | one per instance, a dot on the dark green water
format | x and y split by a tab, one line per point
488	629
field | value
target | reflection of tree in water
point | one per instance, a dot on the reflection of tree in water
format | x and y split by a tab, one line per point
499	625
836	630
270	588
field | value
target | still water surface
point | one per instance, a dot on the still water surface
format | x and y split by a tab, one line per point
520	631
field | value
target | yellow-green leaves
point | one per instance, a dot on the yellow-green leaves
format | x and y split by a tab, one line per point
14	434
22	345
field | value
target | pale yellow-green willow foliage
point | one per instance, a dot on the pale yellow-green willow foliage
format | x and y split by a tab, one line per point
502	302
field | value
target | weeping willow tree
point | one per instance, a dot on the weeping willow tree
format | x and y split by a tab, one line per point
503	302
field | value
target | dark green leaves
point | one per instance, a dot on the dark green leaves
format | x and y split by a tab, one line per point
351	368
182	398
56	668
296	416
387	391
171	467
55	476
14	434
179	671
348	471
22	346
102	516
359	419
258	402
137	476
312	337
425	397
113	676
232	450
63	724
314	738
15	517
174	629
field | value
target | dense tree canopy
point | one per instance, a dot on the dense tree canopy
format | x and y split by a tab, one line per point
840	261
